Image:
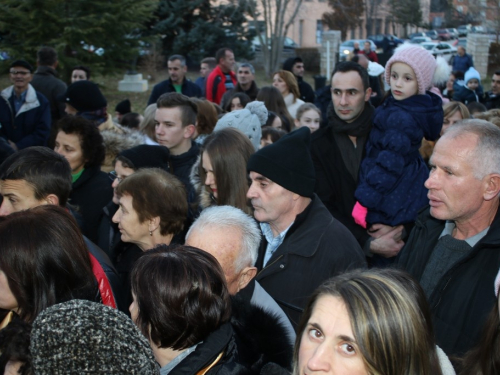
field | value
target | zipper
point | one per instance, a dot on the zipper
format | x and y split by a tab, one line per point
269	265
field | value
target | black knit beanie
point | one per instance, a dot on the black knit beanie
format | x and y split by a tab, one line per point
287	162
83	337
123	107
147	156
84	96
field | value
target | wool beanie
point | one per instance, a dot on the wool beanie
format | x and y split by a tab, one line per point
123	107
472	73
420	60
148	156
249	120
78	337
287	162
84	96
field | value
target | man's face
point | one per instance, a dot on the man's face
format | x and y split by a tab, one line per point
454	193
204	70
271	202
368	46
348	95
78	75
176	71
20	78
18	195
169	130
228	61
495	84
298	69
244	76
225	245
460	51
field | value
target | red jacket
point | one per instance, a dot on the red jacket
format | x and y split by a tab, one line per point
372	56
216	84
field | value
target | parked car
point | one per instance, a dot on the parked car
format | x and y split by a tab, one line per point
288	44
477	30
453	32
443	49
463	30
433	34
345	49
379	40
460	42
414	35
444	34
420	39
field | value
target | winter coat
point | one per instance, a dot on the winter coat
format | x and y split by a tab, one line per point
90	193
292	104
216	84
491	101
252	93
46	82
31	125
464	296
466	95
462	63
392	175
315	248
306	91
188	88
117	139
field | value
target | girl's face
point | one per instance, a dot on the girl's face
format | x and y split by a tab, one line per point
309	118
266	141
280	84
236	104
277	123
7	299
450	120
403	81
327	345
68	145
206	164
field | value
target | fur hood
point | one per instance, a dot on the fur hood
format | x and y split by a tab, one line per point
205	199
260	336
116	143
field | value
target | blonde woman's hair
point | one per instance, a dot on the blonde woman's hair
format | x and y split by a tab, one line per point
290	81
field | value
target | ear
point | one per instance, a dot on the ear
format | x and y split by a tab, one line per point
52	199
368	94
189	131
154	223
297	123
246	276
491	186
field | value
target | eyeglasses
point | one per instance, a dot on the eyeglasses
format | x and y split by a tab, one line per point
19	72
113	176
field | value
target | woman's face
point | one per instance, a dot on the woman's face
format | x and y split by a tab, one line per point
206	164
277	123
236	104
128	222
450	120
133	309
78	75
68	145
280	84
310	119
327	345
7	299
121	172
266	141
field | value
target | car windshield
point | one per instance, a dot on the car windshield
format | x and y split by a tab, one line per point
428	46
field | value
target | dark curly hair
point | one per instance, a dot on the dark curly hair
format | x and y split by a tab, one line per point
91	141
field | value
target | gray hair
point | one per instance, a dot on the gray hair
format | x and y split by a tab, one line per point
247	65
486	155
227	217
181	58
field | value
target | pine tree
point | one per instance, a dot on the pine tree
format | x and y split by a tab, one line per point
346	15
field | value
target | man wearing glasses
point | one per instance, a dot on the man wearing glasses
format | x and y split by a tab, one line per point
24	113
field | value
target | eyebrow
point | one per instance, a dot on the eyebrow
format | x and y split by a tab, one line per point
262	178
341	337
348	89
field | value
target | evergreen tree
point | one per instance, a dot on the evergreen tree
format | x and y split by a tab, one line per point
346	15
406	12
77	29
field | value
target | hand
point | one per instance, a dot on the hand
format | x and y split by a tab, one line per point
13	145
388	244
378	230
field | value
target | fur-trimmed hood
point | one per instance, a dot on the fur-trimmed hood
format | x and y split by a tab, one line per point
116	143
260	336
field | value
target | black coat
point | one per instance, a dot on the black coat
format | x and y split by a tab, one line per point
188	88
315	248
90	193
464	296
306	91
491	101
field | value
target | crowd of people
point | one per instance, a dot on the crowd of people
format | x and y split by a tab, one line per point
232	229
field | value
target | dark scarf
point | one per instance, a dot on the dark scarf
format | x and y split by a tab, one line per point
359	128
97	117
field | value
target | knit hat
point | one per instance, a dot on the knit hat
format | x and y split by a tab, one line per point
287	162
471	73
147	156
249	120
420	60
22	63
123	107
79	337
83	96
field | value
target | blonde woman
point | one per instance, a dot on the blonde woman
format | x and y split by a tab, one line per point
287	85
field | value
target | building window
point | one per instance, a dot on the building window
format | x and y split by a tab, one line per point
319	31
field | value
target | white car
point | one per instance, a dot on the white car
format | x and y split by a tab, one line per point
346	48
445	50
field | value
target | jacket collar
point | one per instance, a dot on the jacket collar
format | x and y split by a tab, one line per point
46	70
30	102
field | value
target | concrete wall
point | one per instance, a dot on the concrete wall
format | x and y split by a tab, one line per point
328	60
478	46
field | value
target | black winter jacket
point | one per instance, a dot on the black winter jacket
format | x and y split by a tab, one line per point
464	296
315	248
188	88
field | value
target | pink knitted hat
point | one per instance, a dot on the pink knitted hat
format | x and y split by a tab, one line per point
420	60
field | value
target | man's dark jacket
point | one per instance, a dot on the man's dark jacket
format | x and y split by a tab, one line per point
45	81
188	88
465	295
315	248
491	101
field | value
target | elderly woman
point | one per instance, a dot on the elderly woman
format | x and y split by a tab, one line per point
181	304
287	85
368	322
153	208
80	142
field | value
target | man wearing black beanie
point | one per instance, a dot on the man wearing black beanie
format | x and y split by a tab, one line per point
302	244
